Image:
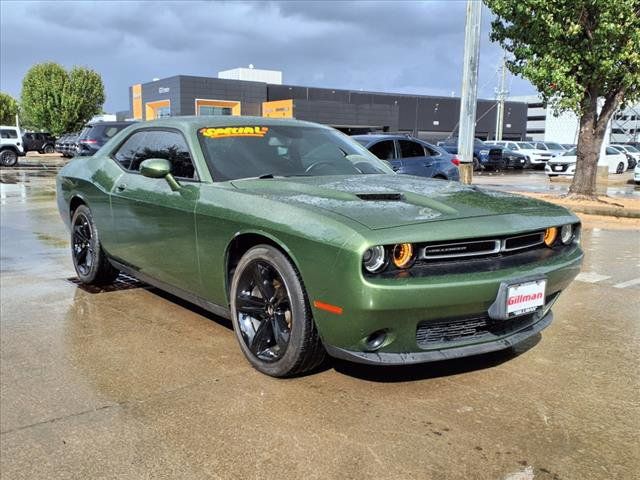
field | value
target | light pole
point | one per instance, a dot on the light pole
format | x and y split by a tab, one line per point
469	95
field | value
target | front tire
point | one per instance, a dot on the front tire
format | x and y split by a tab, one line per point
48	149
271	314
8	158
91	263
620	168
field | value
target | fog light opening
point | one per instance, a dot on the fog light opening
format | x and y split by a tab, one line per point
376	340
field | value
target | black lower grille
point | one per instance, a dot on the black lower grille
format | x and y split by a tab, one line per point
433	334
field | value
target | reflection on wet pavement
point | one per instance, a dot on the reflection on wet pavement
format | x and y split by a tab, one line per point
132	383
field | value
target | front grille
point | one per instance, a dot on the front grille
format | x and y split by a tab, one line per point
559	167
523	241
483	247
434	334
495	154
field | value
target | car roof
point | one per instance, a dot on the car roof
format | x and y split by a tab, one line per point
224	121
93	124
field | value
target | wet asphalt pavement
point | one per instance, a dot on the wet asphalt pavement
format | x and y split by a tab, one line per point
132	383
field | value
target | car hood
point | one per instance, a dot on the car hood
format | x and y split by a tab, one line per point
385	201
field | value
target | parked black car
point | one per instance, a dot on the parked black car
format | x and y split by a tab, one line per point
411	156
41	142
514	159
69	145
95	135
484	156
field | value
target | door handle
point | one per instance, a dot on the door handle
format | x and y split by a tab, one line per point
122	187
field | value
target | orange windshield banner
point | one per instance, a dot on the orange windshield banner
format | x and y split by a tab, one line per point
222	132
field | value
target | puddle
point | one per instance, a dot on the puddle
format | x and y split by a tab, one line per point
123	282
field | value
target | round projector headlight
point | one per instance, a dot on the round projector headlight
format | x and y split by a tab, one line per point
374	259
566	234
403	255
550	236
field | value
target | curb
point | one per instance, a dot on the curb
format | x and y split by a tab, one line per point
604	211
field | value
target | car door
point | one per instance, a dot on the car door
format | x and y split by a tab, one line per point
155	226
415	160
614	158
386	150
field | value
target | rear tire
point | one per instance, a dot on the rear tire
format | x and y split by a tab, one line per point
91	263
271	315
8	158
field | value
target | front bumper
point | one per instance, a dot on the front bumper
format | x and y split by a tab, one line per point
453	352
562	169
402	307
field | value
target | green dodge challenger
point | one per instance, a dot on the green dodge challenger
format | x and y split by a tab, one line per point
313	246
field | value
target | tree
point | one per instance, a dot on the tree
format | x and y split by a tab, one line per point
59	101
8	109
577	53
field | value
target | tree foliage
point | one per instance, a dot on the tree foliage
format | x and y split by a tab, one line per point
59	101
8	109
575	52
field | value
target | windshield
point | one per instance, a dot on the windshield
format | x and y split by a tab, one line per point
570	153
526	145
278	150
631	148
554	146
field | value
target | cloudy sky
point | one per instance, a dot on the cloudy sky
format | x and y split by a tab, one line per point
413	47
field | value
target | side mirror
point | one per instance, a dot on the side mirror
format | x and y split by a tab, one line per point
155	168
159	168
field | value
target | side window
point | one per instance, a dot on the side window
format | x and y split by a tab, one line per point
431	152
383	150
8	134
513	146
147	144
410	149
130	149
541	146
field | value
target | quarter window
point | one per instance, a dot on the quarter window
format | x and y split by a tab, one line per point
410	149
8	134
146	144
384	150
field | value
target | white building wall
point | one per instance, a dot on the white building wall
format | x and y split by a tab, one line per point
562	128
252	75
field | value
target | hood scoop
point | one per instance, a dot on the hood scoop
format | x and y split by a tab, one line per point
381	197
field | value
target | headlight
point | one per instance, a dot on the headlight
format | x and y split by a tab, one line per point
550	236
566	234
374	259
403	255
484	152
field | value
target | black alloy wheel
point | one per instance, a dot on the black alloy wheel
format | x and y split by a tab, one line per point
82	244
8	158
264	311
91	263
271	315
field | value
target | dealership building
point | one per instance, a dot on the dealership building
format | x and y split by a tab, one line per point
249	91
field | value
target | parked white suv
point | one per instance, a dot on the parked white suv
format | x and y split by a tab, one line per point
534	156
10	145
